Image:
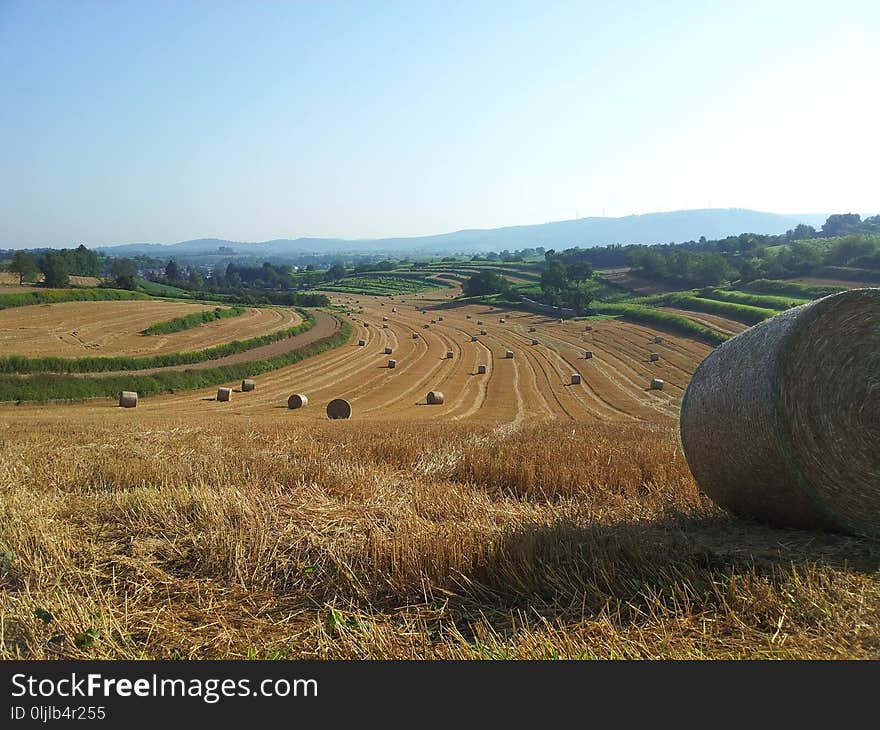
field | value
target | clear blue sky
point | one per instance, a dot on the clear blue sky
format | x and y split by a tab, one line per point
164	121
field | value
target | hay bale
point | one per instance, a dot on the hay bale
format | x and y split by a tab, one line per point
780	422
654	357
473	338
535	342
433	321
481	369
388	350
338	408
449	354
248	385
393	309
426	326
392	364
502	320
533	329
362	343
561	320
588	354
297	400
588	328
467	316
439	319
658	340
657	384
575	379
384	319
224	394
479	321
366	324
415	335
435	398
509	354
128	399
384	326
483	332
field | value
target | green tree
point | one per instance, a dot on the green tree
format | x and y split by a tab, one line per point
23	265
55	270
554	277
580	271
123	272
485	282
335	272
172	271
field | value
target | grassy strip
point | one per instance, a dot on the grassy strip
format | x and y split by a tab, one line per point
44	388
739	312
765	301
57	296
154	288
188	321
791	288
21	364
674	322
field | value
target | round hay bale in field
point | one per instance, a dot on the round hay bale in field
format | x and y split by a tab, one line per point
509	354
479	321
535	342
435	398
483	332
658	340
128	399
415	335
657	384
654	357
588	328
384	319
384	326
473	338
248	385
224	394
502	320
481	369
780	423
339	408
588	354
575	379
297	400
362	343
467	316
439	319
366	324
393	309
388	350
561	320
392	364
533	329
449	354
426	326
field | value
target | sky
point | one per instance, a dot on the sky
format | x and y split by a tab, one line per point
166	121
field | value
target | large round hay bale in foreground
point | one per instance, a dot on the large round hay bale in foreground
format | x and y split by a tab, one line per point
224	394
297	400
780	423
247	385
435	398
128	399
339	408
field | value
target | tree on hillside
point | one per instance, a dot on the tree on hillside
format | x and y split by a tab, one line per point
485	282
841	224
123	272
172	271
55	270
335	272
23	265
579	271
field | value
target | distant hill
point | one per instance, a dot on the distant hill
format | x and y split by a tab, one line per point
675	226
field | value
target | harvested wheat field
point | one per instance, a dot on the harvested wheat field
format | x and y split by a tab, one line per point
79	329
524	517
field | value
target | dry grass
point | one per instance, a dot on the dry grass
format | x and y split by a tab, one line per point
341	540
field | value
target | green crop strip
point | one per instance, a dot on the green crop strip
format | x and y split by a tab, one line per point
196	319
59	296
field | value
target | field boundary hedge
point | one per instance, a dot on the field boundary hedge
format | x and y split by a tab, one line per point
43	388
196	319
59	296
59	365
675	322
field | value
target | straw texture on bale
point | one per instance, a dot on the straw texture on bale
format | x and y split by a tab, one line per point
655	357
435	398
339	408
657	384
481	369
781	423
248	385
128	399
392	364
297	400
575	379
224	394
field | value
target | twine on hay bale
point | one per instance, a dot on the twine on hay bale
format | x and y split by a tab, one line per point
780	423
435	398
297	400
657	384
392	364
339	408
128	399
481	369
248	385
224	394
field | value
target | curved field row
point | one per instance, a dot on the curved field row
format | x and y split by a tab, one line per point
80	329
534	385
713	321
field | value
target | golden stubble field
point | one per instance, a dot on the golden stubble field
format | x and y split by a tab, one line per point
524	518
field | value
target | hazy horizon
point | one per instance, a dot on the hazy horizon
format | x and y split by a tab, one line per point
131	123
